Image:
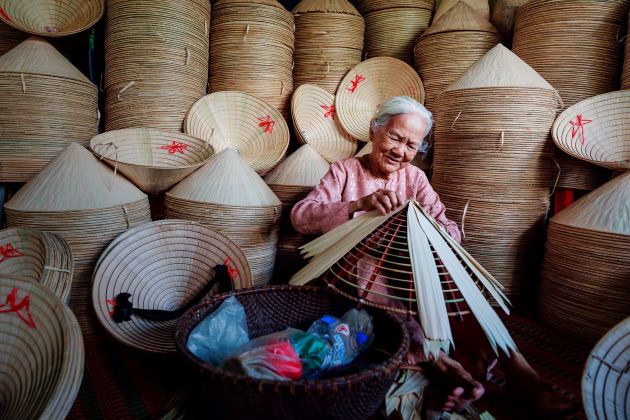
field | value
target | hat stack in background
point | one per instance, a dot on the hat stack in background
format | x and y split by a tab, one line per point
574	45
47	104
291	181
156	61
450	46
492	164
226	195
625	75
503	16
393	26
251	50
80	199
481	7
328	42
10	37
584	289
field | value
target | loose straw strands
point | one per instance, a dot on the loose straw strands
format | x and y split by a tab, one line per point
156	62
52	18
153	160
47	105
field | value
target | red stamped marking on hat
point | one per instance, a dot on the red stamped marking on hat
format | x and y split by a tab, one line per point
175	147
5	15
232	272
355	83
578	126
113	303
22	309
329	111
267	123
7	252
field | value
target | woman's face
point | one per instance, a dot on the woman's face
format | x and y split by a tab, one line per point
396	143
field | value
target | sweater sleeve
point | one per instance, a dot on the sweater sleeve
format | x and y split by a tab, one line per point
323	210
430	201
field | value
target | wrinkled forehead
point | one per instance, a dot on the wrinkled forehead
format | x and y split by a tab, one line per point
410	125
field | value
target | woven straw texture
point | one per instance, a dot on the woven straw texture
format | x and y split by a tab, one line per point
272	309
163	265
328	42
87	210
257	38
584	288
156	61
226	195
492	163
153	160
481	7
503	16
241	121
546	33
53	18
37	256
450	46
10	37
42	352
47	105
597	130
367	86
315	122
625	76
605	382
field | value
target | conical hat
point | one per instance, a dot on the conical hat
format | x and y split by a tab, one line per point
226	179
273	3
480	6
74	180
461	17
326	6
500	67
305	167
53	18
37	56
607	209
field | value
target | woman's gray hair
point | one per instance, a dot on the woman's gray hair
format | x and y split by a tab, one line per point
403	105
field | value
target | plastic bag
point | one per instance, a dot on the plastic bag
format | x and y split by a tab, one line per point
221	333
313	352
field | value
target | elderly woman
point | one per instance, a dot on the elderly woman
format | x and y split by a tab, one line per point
385	180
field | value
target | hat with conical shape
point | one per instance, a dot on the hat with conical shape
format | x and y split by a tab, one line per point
304	167
273	3
36	56
326	6
480	6
500	68
461	17
226	179
607	209
75	180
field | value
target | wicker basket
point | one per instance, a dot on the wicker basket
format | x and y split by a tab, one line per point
273	308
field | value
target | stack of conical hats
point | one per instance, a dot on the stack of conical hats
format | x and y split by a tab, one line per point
81	199
37	256
393	26
584	289
47	104
450	46
53	18
328	42
251	50
503	16
481	7
10	37
156	61
228	196
492	163
574	45
41	368
291	181
625	76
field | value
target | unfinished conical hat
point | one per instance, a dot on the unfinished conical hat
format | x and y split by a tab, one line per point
597	130
607	209
54	18
226	179
74	180
326	6
37	56
242	121
305	167
367	86
315	122
499	68
461	17
480	6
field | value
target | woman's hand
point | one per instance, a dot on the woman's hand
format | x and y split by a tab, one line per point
384	201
